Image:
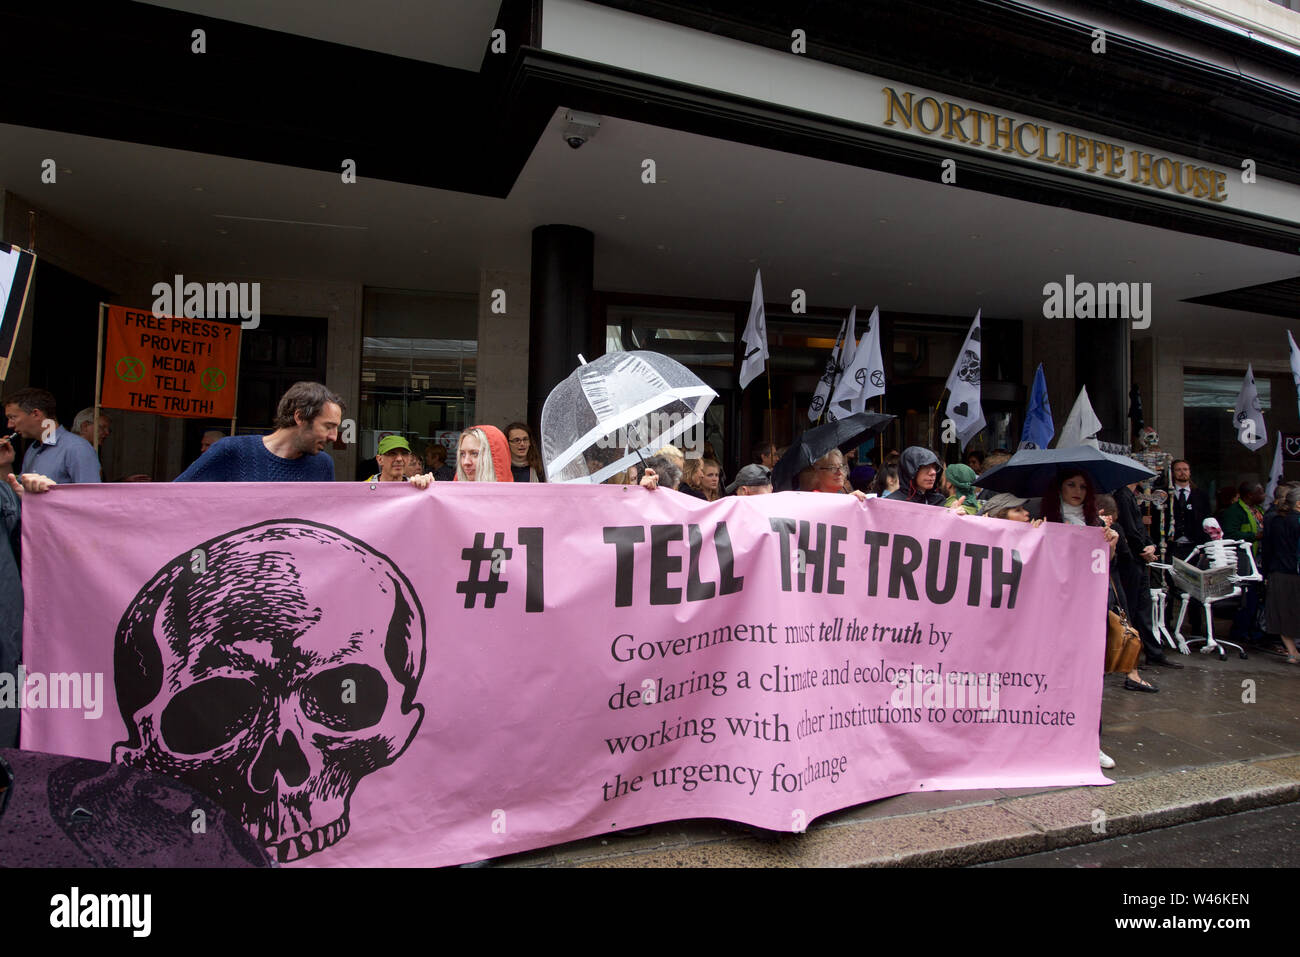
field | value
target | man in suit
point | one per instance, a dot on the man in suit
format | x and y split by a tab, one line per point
1190	506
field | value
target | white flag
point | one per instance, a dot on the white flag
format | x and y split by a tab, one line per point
1081	425
1248	416
1294	353
1275	474
963	387
845	346
864	377
754	337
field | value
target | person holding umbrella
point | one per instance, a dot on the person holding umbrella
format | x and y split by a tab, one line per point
1071	499
613	412
1067	479
805	464
827	475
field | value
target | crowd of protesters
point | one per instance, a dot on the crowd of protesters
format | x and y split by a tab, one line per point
309	416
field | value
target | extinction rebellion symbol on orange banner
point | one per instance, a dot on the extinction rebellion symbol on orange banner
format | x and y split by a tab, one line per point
170	365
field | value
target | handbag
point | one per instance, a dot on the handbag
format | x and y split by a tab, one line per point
1123	645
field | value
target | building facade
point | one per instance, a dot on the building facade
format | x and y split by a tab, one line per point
444	204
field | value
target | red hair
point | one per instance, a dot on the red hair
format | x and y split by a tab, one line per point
1052	497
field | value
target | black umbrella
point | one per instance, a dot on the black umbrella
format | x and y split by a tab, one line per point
1030	471
842	434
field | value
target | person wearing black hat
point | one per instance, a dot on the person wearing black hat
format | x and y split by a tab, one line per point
751	480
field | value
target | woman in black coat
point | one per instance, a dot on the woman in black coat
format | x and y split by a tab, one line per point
1282	570
1131	564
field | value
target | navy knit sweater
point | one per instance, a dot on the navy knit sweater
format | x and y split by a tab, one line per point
243	458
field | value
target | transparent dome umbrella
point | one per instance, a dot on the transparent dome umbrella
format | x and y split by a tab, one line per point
612	412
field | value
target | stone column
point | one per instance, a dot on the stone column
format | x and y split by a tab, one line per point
1101	364
560	316
503	340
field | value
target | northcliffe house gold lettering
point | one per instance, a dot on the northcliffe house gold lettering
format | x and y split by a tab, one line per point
972	127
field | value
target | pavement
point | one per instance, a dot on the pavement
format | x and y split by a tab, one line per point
1220	737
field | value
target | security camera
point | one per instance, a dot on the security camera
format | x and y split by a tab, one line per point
579	127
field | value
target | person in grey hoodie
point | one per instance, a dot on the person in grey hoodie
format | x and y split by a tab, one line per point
918	477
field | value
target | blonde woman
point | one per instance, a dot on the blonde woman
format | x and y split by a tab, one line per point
710	479
483	456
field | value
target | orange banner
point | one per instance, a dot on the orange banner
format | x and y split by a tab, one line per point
168	365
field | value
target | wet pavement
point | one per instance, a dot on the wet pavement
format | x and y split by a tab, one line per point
1264	838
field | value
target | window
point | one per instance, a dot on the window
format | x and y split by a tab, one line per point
1210	441
418	363
703	341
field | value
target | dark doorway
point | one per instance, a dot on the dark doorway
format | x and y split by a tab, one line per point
65	338
282	350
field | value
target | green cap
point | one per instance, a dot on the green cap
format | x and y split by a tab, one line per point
962	478
391	442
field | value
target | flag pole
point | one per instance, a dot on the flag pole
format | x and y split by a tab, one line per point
239	355
929	438
99	376
771	419
880	446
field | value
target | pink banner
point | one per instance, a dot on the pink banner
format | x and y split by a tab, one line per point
378	675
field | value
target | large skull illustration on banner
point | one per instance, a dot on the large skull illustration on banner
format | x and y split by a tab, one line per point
273	678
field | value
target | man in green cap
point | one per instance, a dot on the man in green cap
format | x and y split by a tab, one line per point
394	455
960	480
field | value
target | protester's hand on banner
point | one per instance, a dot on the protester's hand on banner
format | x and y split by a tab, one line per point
31	482
650	480
1112	537
958	507
421	481
859	495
